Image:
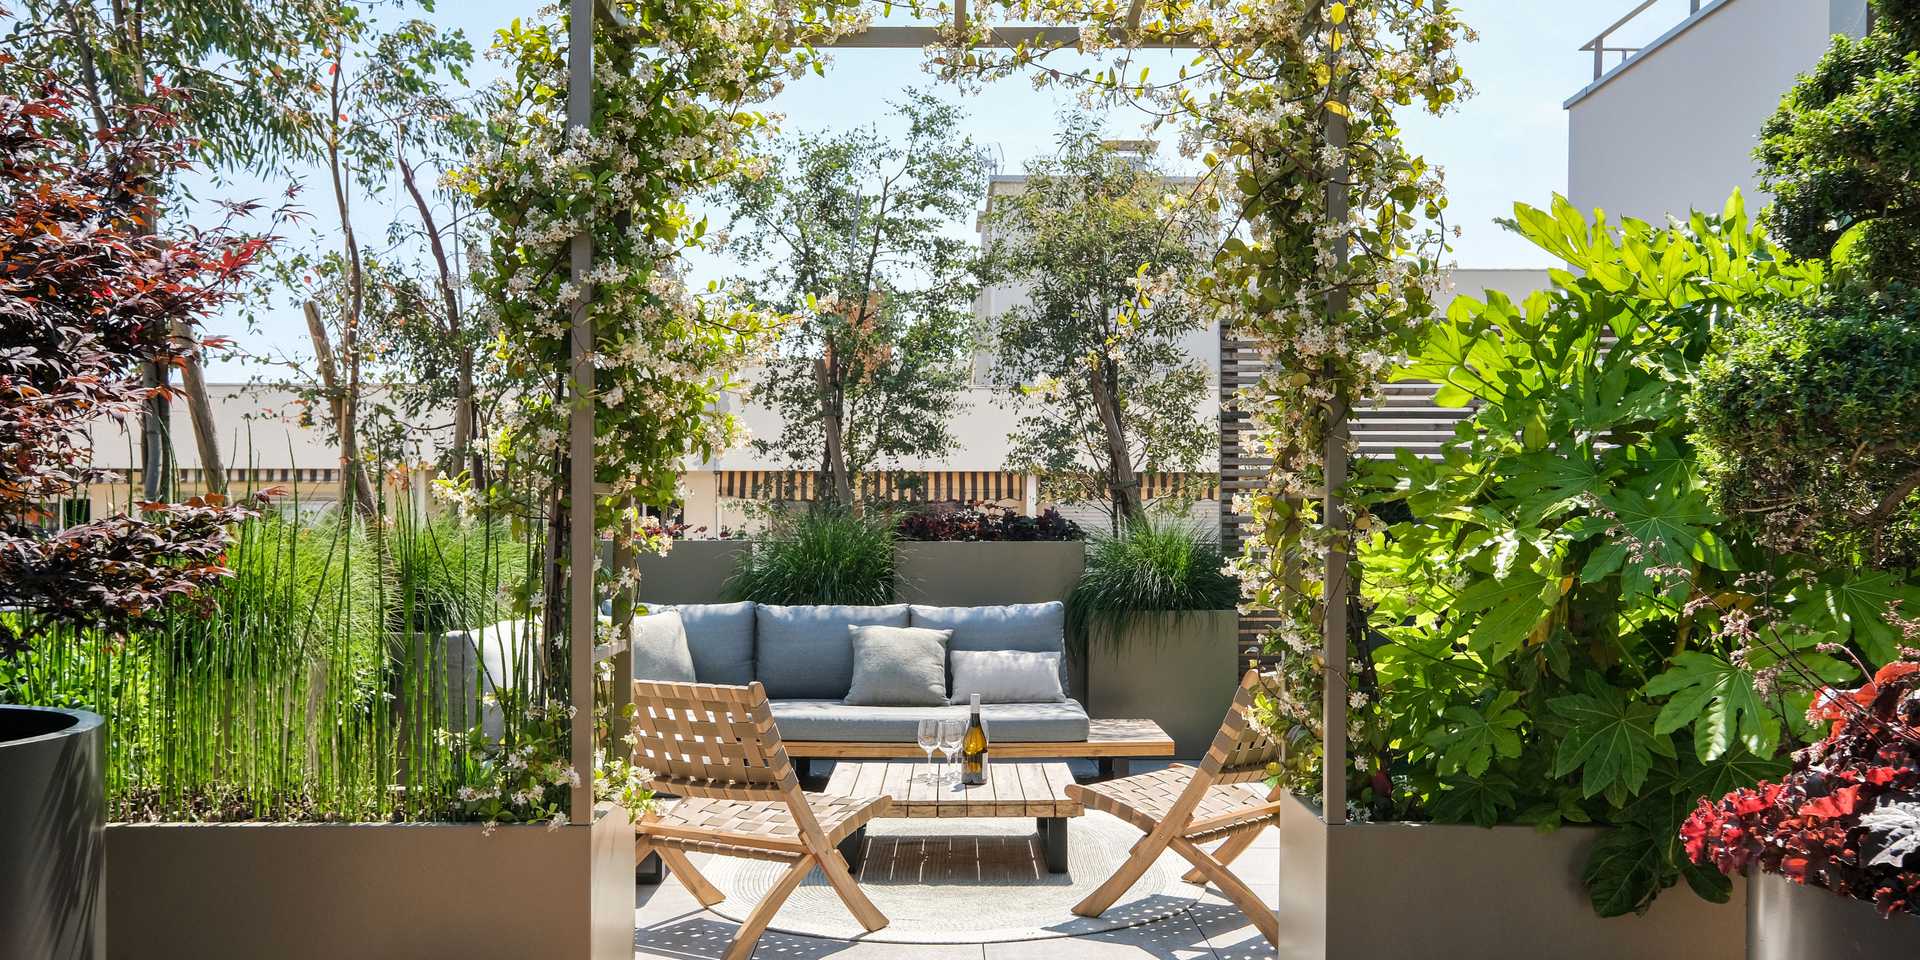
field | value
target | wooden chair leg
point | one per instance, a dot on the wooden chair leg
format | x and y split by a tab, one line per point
1241	895
682	867
1226	853
1144	854
756	923
835	867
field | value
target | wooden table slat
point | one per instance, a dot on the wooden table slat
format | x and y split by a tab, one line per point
1012	789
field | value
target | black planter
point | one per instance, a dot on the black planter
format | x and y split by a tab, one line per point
1788	921
51	830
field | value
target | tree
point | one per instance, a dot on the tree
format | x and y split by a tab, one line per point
855	230
1839	155
241	62
88	296
384	100
1093	359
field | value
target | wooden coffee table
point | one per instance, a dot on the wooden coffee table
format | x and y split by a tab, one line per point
1013	789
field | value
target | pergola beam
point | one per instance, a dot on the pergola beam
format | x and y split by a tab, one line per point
915	38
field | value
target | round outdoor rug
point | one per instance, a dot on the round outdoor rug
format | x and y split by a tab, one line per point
966	881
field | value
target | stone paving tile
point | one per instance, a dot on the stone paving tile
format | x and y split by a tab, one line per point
1175	938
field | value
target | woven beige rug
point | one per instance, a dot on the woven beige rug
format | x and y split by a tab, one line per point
966	881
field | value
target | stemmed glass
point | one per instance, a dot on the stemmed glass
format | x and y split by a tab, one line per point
929	739
950	733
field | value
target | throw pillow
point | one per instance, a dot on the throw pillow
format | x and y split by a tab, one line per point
660	649
1006	676
898	666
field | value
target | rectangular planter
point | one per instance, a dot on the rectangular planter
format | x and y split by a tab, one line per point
694	571
1178	669
1443	891
981	574
1791	921
293	891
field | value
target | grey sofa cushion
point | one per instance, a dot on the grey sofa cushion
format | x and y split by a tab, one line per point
1027	627
720	637
660	648
1061	722
899	667
805	652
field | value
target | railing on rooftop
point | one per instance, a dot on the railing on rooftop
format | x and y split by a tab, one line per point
1600	48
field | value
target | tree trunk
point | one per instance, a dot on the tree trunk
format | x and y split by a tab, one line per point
1122	484
354	487
156	450
213	470
463	413
833	429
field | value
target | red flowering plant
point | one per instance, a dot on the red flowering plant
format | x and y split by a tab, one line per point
90	291
1847	817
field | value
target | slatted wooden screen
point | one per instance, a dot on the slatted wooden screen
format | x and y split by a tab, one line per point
1406	418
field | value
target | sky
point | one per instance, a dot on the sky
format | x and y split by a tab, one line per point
1508	143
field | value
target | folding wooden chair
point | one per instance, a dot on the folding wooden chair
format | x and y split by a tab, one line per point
1183	807
716	748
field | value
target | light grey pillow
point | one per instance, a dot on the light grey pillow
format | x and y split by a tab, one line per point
898	666
660	648
1006	676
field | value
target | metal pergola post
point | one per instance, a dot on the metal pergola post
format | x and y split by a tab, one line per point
1333	616
582	542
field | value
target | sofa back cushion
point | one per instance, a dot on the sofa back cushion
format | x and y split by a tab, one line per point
1026	627
661	650
806	652
720	638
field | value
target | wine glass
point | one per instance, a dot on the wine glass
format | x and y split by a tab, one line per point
950	733
929	738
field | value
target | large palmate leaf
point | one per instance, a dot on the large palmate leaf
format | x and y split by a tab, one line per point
1550	484
1480	801
1856	605
1672	525
1509	608
1610	740
1718	701
1472	738
1625	871
1730	771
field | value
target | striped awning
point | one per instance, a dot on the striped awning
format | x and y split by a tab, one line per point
908	486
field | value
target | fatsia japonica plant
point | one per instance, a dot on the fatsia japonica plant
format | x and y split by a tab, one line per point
87	294
1561	628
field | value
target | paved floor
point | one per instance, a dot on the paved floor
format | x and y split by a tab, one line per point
670	923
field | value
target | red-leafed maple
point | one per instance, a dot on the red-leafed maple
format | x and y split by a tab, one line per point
88	293
1848	817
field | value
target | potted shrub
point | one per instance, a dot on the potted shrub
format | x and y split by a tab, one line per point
822	555
1845	821
1153	616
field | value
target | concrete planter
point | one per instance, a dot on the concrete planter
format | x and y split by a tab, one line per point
694	571
1177	668
51	767
1789	921
1443	891
297	891
982	574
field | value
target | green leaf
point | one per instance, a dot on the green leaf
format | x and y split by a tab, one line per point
1730	771
1472	739
1610	740
1553	484
1718	701
1858	605
1480	801
1623	874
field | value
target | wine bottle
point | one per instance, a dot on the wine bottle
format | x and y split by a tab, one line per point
973	748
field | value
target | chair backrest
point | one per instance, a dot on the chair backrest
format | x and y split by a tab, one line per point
707	740
1243	748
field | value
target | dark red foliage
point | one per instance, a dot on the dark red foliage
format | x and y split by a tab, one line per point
88	292
986	521
1848	817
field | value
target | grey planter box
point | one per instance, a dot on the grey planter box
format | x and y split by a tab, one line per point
299	891
52	764
1790	921
1444	891
692	572
982	574
1177	669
